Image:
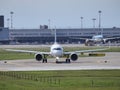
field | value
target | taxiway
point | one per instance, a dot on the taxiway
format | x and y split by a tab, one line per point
110	61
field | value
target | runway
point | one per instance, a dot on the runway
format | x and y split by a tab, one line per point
110	61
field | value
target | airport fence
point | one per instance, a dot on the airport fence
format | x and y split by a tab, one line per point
60	80
34	77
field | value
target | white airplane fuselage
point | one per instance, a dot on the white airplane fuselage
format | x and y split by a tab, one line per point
97	38
56	50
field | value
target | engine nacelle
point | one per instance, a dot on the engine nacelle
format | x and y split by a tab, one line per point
74	57
38	57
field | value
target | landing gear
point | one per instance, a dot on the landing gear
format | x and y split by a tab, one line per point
67	60
44	61
57	61
89	43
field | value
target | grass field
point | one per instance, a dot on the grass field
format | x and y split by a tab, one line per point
5	55
61	80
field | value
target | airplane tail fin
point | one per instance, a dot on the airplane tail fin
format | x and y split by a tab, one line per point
53	32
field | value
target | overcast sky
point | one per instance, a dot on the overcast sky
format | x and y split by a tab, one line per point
61	13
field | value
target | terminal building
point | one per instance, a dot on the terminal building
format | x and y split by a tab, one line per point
44	36
4	32
4	35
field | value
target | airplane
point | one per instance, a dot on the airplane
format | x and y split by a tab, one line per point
96	39
56	50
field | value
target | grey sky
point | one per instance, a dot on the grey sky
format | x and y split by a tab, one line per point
62	13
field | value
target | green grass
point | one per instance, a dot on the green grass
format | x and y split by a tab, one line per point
5	55
61	80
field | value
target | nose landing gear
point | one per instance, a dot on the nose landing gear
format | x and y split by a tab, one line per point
67	60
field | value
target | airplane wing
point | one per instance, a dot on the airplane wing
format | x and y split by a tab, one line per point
109	38
85	51
27	51
79	38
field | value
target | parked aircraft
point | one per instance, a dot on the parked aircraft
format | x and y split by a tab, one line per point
56	50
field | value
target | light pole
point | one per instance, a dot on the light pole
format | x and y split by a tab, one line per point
93	23
11	13
81	22
49	23
8	22
99	19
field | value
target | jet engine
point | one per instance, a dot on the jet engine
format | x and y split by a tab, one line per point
38	57
74	57
89	43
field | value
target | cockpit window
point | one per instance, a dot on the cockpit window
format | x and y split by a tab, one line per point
56	48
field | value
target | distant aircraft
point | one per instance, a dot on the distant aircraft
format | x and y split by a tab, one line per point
56	51
97	39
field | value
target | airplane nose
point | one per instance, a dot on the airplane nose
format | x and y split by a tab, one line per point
57	53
